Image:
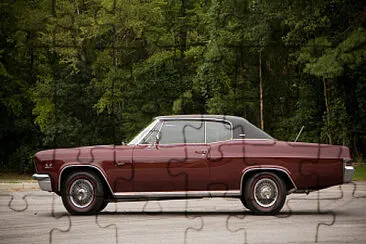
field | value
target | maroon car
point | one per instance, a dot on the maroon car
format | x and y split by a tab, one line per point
192	156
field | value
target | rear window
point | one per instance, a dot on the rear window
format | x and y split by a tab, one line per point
217	131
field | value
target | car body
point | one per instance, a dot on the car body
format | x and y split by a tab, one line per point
192	156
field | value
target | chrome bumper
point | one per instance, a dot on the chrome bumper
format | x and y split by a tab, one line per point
44	181
348	172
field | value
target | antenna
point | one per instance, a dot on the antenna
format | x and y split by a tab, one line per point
298	135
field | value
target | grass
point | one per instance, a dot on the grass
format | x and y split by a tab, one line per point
11	177
360	173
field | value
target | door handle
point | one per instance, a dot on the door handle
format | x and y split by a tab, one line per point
121	163
203	152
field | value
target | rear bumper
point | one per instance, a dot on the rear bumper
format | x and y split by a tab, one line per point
348	172
44	181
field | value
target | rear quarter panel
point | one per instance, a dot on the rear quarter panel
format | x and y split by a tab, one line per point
310	165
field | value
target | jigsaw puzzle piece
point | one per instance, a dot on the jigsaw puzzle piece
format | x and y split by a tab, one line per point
146	222
214	213
359	189
214	230
27	217
81	229
294	224
348	209
85	229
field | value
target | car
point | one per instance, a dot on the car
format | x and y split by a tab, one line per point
192	156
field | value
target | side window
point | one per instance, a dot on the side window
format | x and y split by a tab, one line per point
217	131
151	136
182	131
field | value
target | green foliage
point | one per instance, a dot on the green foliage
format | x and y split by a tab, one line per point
97	71
360	172
350	54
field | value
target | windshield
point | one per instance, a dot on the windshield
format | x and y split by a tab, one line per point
142	134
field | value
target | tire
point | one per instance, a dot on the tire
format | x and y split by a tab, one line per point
242	199
83	193
265	193
105	203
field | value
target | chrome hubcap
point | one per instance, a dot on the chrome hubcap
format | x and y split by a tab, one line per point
265	192
81	193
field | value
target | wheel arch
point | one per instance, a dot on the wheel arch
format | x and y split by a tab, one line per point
280	172
82	168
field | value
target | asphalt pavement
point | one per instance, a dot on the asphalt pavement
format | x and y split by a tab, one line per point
334	215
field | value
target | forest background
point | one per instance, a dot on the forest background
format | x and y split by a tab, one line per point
85	72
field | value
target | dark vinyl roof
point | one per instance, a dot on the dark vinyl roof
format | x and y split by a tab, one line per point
240	125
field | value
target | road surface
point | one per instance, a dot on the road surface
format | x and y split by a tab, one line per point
334	215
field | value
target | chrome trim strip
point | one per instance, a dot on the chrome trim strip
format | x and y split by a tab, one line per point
263	169
253	139
205	132
44	181
172	194
90	166
40	176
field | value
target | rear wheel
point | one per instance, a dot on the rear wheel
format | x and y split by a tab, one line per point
265	193
83	193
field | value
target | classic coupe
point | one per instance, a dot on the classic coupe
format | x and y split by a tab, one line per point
192	156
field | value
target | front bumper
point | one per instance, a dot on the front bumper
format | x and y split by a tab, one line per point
348	172
44	181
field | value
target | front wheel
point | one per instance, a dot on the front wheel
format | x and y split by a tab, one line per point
82	193
105	203
265	193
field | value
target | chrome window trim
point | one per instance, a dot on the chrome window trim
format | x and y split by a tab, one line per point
199	119
161	126
253	139
153	124
157	119
172	194
264	169
149	132
90	166
205	132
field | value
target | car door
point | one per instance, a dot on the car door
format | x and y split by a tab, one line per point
177	162
225	157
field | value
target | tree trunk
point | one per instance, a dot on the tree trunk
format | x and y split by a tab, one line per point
261	90
183	39
115	72
327	110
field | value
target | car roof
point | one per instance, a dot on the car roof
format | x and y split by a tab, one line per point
200	116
